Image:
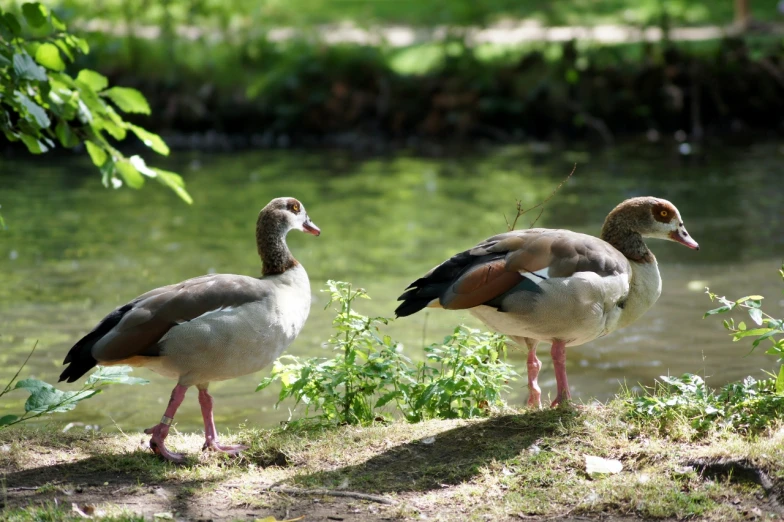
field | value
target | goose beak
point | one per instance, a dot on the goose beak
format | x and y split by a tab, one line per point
683	237
311	228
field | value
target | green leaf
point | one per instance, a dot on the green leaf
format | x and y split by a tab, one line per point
719	310
10	21
780	381
264	383
108	171
66	136
57	23
96	81
97	154
128	100
114	375
65	49
34	145
150	139
387	397
8	419
26	68
174	182
34	13
91	100
756	315
109	125
45	398
752	297
79	43
132	177
36	113
48	55
753	332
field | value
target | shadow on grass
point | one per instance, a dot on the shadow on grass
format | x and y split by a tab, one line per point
455	456
135	478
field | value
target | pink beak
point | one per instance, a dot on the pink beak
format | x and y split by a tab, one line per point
683	237
311	228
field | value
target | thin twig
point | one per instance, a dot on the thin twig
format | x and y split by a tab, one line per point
329	492
13	379
520	210
24	488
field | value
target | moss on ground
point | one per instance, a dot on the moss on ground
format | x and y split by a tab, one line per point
518	465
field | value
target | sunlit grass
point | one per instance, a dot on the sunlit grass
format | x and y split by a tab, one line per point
529	462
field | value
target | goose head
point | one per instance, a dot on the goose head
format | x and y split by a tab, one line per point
646	217
666	223
285	214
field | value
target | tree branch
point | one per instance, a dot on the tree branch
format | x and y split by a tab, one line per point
520	210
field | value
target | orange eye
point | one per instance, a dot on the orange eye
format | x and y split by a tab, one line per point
663	213
295	208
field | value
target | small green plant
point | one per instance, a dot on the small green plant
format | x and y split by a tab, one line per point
370	372
768	327
45	398
746	406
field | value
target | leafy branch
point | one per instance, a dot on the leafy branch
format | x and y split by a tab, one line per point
45	398
768	327
40	103
520	210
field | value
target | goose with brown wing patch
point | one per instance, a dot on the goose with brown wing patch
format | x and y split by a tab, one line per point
557	286
209	328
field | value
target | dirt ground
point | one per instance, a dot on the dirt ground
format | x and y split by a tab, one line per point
514	467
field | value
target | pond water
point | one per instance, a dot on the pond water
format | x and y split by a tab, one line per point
73	251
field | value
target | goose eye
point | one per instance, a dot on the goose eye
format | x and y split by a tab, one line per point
663	213
295	208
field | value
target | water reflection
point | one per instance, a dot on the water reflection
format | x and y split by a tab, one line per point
74	251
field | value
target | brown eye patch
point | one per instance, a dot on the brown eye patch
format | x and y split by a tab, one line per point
293	206
663	212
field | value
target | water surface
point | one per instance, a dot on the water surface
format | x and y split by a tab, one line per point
73	251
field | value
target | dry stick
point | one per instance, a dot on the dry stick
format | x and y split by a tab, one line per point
329	492
521	210
13	379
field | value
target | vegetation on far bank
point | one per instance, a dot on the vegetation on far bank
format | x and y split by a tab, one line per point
237	15
238	81
281	93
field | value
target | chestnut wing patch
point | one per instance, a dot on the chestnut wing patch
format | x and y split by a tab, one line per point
479	284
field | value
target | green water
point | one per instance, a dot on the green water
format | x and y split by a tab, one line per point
73	251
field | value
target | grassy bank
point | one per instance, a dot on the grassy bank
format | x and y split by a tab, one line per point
512	466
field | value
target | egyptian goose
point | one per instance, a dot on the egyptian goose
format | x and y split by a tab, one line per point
557	286
209	328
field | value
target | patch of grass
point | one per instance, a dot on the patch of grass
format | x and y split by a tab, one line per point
51	512
530	463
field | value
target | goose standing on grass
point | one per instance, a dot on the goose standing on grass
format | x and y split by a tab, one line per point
209	328
557	286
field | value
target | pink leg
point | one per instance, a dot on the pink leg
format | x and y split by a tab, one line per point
558	353
210	434
534	365
161	430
